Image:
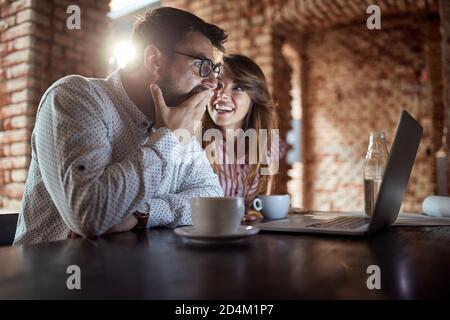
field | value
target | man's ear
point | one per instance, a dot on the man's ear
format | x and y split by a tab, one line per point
152	60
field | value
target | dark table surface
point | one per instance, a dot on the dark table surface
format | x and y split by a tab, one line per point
157	264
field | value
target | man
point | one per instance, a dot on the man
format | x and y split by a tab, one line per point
104	154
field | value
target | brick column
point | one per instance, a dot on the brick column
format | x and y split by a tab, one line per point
36	48
434	76
282	73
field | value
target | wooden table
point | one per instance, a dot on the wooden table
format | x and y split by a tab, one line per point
157	264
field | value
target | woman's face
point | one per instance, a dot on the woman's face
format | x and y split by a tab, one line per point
229	104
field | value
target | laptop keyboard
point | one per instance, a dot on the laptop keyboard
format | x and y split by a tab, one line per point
342	223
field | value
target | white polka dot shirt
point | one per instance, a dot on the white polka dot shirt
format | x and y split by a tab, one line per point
96	159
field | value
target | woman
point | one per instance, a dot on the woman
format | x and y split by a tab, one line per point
242	101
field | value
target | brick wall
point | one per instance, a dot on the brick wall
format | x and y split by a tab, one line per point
358	82
444	10
36	49
353	81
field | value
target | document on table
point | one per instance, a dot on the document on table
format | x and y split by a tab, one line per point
419	219
404	219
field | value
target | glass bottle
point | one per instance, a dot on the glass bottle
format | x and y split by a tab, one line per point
374	166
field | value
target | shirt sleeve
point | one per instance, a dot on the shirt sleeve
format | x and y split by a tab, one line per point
192	177
91	191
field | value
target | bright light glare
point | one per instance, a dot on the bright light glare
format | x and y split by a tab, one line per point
124	52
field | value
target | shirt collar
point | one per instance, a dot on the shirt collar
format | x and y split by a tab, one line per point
114	80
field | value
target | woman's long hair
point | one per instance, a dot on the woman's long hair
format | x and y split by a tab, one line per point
262	115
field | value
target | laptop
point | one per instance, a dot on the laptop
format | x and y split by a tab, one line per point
389	200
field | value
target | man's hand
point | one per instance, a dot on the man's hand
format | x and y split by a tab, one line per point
126	225
183	116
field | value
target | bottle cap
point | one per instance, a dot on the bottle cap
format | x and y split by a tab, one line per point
376	134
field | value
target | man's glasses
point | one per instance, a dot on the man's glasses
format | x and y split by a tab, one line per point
206	65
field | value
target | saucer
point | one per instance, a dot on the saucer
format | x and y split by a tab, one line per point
192	234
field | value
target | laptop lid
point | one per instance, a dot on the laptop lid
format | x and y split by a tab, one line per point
397	172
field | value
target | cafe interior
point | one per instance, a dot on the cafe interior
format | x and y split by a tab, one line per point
337	70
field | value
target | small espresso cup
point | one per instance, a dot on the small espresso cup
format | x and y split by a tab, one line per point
272	206
216	216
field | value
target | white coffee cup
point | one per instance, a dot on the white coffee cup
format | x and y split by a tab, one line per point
211	215
272	206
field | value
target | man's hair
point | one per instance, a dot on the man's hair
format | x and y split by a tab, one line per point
165	27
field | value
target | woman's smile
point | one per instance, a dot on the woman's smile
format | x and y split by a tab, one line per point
223	110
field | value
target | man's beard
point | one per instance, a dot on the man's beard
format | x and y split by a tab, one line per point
171	96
